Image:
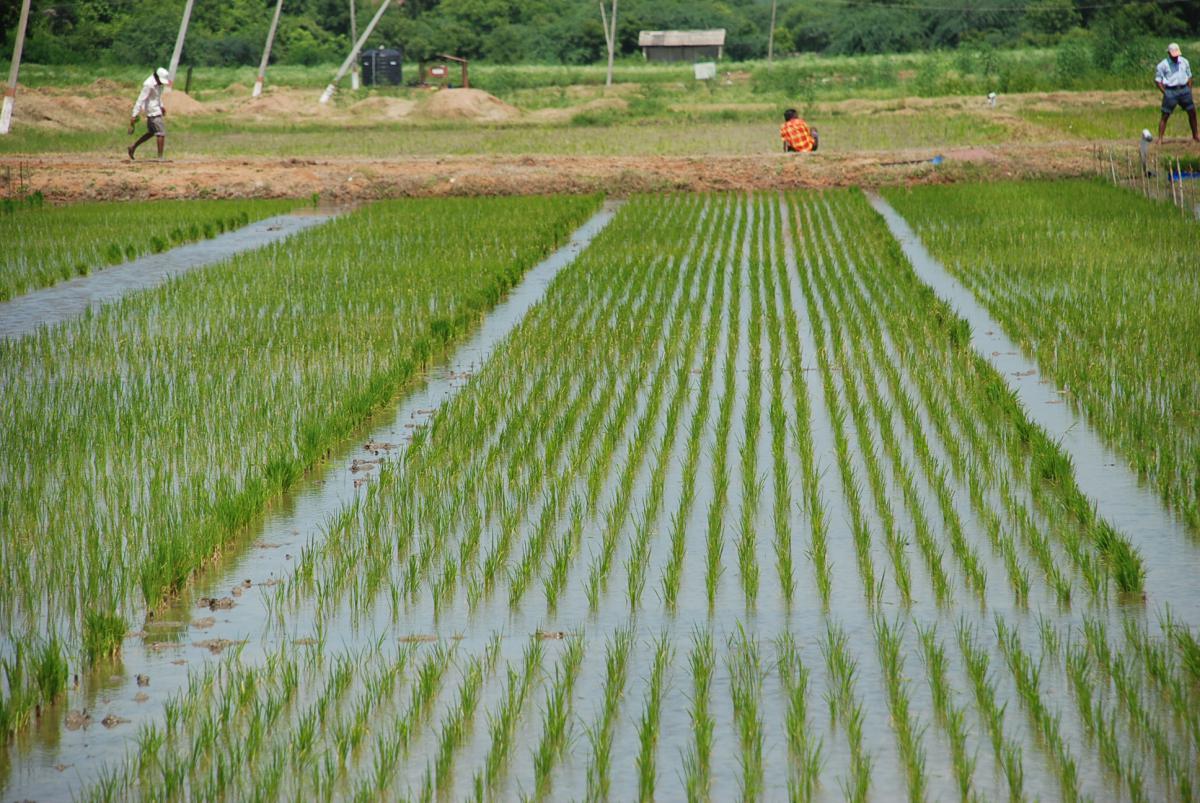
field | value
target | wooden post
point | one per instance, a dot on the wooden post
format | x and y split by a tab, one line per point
183	26
10	92
262	66
771	38
354	79
362	40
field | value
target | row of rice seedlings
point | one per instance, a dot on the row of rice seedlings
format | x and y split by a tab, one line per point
909	732
1007	752
804	752
746	675
845	708
1099	725
1139	710
503	721
1051	480
752	484
422	457
555	717
715	525
801	429
34	675
1026	674
781	511
950	717
37	254
648	725
169	497
600	733
698	760
1156	660
840	260
1082	307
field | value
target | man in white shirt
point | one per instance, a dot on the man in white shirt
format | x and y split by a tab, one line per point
1174	78
150	101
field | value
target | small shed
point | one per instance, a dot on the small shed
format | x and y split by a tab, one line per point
682	45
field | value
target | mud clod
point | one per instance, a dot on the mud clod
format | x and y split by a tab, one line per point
112	720
78	719
143	680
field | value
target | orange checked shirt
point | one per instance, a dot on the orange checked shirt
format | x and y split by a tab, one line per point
796	136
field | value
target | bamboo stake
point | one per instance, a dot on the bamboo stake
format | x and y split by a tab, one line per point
354	69
10	92
262	67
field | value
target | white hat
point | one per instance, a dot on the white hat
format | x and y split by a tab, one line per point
164	77
1173	49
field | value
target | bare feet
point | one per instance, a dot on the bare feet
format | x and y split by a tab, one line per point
129	151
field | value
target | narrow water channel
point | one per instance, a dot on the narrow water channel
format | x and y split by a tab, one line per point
1172	562
53	305
56	762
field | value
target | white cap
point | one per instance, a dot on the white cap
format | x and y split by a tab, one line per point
164	77
1173	49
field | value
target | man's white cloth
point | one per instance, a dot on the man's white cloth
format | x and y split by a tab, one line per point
1173	74
149	99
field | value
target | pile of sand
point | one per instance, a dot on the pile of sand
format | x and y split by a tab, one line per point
277	103
48	109
379	108
181	103
467	104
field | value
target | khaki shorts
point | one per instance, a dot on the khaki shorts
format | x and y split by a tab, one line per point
156	126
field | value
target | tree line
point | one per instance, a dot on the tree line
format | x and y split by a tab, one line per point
231	32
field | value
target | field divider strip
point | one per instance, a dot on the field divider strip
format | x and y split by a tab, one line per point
1101	474
54	305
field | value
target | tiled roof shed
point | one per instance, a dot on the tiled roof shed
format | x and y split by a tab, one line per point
682	45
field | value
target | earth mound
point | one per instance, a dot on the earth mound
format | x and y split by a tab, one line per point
467	104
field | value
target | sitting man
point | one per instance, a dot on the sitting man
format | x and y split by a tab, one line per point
797	136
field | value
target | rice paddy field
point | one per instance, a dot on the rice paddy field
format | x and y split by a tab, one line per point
737	510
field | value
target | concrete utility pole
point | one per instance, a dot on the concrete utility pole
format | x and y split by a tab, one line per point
771	38
362	40
262	67
354	84
187	15
610	36
10	94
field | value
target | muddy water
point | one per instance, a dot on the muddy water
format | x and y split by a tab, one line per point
1172	563
55	762
54	305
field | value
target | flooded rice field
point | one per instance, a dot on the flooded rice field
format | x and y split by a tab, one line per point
733	497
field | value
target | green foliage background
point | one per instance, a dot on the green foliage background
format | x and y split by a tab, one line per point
1093	34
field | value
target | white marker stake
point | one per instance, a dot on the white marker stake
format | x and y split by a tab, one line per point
341	73
354	84
10	94
262	67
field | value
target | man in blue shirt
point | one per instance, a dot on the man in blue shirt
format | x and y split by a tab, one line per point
1174	79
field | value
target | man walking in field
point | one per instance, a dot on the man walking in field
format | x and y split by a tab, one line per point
1174	79
150	101
797	136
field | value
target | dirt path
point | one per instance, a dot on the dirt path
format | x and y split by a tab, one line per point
109	177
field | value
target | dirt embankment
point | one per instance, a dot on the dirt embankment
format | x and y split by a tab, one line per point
107	177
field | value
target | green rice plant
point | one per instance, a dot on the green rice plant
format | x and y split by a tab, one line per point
805	753
746	674
555	716
697	762
648	724
39	254
909	734
1082	308
600	733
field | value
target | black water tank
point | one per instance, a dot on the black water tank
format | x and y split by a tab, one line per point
381	66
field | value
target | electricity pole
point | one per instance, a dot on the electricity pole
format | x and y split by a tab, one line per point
610	37
262	68
341	73
10	94
771	38
187	14
353	37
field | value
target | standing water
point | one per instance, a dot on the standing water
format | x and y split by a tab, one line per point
56	761
1171	563
51	306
